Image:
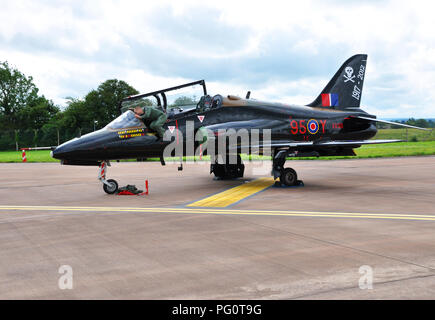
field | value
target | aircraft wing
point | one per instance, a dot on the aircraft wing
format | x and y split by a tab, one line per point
302	144
354	142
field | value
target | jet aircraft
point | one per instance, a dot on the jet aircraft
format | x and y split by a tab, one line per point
332	125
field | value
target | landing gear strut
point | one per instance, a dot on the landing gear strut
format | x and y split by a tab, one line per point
109	186
228	170
287	176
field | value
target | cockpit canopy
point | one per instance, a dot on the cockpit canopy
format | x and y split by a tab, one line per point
171	100
125	120
176	102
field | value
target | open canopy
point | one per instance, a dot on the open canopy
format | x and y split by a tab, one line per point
185	96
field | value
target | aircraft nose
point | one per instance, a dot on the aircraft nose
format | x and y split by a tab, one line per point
88	146
65	150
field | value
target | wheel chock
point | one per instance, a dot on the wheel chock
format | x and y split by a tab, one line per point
298	184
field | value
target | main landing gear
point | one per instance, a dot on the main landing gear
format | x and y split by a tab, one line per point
287	176
228	170
109	186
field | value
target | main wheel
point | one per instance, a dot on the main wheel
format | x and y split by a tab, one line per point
228	171
288	177
218	170
112	187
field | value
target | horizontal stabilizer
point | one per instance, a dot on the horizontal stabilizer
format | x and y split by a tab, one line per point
391	122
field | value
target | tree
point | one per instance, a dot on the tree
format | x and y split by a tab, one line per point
76	115
36	114
103	103
423	123
182	101
16	92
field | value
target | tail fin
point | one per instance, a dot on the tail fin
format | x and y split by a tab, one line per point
345	88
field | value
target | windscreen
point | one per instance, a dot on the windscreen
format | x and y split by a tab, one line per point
125	120
148	101
184	98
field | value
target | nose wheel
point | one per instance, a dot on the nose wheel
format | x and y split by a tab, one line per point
109	186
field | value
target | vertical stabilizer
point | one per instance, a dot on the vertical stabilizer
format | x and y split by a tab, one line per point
344	90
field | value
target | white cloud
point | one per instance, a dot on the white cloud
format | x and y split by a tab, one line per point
282	51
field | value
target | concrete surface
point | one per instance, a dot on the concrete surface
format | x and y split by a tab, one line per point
162	253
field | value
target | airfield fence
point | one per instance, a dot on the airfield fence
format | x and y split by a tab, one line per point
45	137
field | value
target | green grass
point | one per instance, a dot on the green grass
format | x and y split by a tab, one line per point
32	156
400	149
367	151
397	149
420	135
424	146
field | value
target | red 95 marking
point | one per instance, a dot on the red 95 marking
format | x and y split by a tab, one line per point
300	126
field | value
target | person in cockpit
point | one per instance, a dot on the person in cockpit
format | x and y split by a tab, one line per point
157	118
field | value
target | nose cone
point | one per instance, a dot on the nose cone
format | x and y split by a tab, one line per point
65	150
85	147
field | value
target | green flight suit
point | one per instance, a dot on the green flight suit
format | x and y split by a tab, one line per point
157	118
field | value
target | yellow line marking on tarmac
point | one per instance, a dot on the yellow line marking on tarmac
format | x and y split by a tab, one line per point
233	195
227	212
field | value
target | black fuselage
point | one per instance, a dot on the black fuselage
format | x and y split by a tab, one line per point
286	122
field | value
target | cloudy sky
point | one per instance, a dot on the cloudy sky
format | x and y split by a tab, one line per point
280	50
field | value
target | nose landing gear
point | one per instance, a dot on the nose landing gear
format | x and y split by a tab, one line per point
109	186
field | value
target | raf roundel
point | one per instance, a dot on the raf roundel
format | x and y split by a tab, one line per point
313	126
